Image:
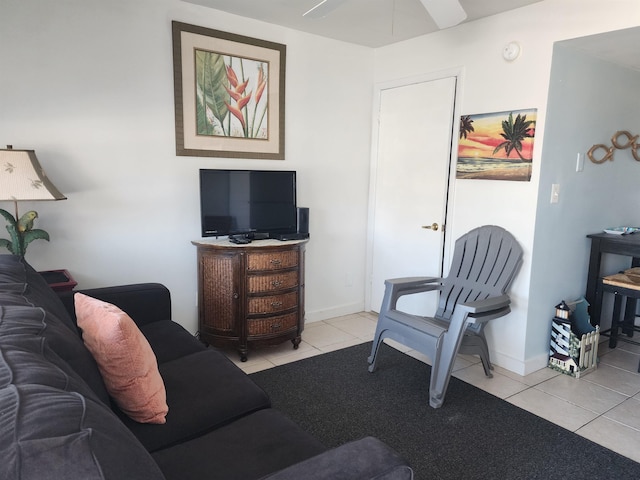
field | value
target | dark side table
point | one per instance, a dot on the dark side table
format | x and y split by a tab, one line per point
59	280
601	243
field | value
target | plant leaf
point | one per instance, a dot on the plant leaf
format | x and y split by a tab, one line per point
8	216
7	244
32	235
211	80
16	240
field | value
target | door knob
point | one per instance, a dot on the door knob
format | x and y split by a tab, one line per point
434	226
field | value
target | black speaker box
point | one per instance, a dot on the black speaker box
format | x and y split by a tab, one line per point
303	220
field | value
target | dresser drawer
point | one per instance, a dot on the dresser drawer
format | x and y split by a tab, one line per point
272	325
273	303
273	282
272	260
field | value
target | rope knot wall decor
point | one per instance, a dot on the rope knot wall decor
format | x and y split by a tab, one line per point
617	142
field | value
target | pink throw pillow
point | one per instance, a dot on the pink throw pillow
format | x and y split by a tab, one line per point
126	361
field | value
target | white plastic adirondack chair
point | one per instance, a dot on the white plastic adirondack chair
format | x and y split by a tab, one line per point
485	262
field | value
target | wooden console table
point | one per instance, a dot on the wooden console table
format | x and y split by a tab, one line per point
250	294
628	245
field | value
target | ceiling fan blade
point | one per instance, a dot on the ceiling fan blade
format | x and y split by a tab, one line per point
323	8
446	13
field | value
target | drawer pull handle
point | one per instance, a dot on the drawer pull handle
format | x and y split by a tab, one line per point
276	283
275	261
275	326
276	304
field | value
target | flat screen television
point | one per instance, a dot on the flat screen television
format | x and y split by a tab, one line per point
246	202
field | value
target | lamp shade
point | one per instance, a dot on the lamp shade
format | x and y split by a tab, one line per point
22	177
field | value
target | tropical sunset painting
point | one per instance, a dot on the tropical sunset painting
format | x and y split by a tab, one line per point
231	97
497	146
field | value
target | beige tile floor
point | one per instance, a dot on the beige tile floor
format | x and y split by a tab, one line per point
603	406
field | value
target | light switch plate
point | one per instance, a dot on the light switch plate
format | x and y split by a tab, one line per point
555	192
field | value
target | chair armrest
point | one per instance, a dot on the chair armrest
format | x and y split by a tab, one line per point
487	309
364	459
398	287
143	302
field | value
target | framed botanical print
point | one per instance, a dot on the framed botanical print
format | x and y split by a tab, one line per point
229	94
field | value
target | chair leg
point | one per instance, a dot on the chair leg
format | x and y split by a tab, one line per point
446	351
629	317
440	375
486	364
375	348
387	303
476	344
615	320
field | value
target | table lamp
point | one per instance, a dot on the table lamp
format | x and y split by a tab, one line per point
23	179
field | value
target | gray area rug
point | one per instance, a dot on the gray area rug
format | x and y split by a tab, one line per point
473	436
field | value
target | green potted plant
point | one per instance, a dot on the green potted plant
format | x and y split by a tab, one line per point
21	232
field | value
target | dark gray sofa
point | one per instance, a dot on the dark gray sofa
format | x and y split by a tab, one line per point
57	420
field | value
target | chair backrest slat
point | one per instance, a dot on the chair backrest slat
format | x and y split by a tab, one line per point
485	262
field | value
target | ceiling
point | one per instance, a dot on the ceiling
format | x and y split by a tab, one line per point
376	23
372	23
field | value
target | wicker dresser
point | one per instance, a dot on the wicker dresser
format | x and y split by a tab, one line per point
250	294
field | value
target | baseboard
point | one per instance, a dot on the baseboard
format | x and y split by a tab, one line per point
319	315
536	363
518	366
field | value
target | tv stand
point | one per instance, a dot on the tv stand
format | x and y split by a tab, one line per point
251	294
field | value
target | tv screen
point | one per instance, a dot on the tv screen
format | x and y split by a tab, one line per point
236	202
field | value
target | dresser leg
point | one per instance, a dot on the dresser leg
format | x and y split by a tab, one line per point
296	342
243	354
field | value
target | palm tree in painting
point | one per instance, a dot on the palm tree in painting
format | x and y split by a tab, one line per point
465	126
514	133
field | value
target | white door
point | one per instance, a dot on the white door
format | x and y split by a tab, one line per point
410	185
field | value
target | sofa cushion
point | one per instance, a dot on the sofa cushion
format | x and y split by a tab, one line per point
41	295
204	391
364	458
26	359
12	274
48	433
170	341
13	299
35	321
125	359
17	276
143	302
267	439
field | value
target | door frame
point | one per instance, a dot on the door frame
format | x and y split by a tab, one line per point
458	74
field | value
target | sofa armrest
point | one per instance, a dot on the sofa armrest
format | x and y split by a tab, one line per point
143	302
364	459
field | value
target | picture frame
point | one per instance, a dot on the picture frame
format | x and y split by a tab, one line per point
229	93
497	145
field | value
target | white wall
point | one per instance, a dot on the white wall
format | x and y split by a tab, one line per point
88	84
580	114
490	84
